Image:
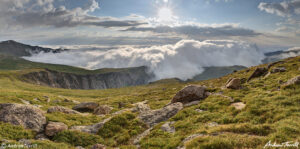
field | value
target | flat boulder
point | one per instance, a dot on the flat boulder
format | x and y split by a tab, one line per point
86	107
152	117
233	83
258	72
53	128
62	110
189	94
28	116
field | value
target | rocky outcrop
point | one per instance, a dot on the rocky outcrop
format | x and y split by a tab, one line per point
152	117
27	116
110	79
258	72
233	83
53	128
86	107
92	129
278	69
102	110
189	94
62	110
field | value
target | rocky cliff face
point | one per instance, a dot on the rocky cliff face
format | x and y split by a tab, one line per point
130	77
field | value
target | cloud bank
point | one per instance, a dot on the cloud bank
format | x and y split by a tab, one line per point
183	60
200	30
285	8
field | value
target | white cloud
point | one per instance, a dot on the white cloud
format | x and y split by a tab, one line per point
284	9
183	60
30	13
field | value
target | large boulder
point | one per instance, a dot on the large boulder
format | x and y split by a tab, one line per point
258	72
102	110
233	83
189	94
152	117
86	107
53	128
293	81
62	110
27	116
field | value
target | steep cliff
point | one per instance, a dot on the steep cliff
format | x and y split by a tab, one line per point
129	77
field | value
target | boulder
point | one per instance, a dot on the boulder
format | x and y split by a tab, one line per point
189	94
258	72
233	83
53	128
28	116
41	136
98	146
152	117
278	69
238	105
102	110
86	107
62	110
293	81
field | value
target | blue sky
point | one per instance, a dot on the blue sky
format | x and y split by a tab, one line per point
267	23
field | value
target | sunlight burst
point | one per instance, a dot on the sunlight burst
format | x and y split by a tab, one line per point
165	15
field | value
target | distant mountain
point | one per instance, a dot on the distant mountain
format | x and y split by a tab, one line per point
279	55
216	72
17	49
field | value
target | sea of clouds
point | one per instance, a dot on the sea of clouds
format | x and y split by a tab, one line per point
183	60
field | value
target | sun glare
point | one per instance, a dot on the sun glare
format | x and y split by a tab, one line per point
165	15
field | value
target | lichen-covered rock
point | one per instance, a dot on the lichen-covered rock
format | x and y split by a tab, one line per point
152	117
233	83
62	110
86	107
27	116
53	128
189	94
102	110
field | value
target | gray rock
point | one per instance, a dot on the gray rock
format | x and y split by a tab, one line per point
212	124
41	136
27	116
278	69
189	94
233	83
153	117
79	147
92	129
199	110
191	103
25	142
53	128
86	107
167	127
62	110
102	110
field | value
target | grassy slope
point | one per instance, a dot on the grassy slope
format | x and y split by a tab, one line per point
14	63
269	115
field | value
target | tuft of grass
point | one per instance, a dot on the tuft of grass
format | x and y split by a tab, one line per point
76	138
11	132
121	128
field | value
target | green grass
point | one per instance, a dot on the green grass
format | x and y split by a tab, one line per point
270	114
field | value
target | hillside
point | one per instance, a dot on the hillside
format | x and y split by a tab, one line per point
262	110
